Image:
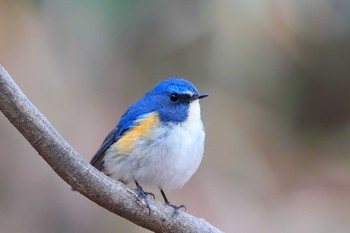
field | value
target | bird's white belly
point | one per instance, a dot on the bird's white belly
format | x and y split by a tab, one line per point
167	160
175	159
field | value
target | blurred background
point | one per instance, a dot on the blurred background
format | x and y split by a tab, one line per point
277	155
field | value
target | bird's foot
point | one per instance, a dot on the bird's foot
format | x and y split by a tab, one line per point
176	208
144	195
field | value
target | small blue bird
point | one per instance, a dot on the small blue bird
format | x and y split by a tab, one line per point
159	141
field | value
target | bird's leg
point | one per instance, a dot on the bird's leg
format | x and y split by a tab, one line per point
176	208
143	195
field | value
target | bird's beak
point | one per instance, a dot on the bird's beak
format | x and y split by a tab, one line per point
200	96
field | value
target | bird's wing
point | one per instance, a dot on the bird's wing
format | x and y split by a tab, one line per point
97	160
130	118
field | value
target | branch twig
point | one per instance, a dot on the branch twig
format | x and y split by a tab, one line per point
71	167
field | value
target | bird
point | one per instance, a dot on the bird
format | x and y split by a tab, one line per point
158	141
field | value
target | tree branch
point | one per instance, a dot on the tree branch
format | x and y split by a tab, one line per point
72	168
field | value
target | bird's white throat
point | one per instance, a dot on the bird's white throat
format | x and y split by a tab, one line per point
194	111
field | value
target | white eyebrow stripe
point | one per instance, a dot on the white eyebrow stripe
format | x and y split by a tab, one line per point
187	93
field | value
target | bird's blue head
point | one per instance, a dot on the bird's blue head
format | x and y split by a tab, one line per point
175	99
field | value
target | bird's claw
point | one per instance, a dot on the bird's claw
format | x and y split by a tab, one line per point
144	195
176	208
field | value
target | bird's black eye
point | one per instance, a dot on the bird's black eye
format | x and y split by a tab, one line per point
174	97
